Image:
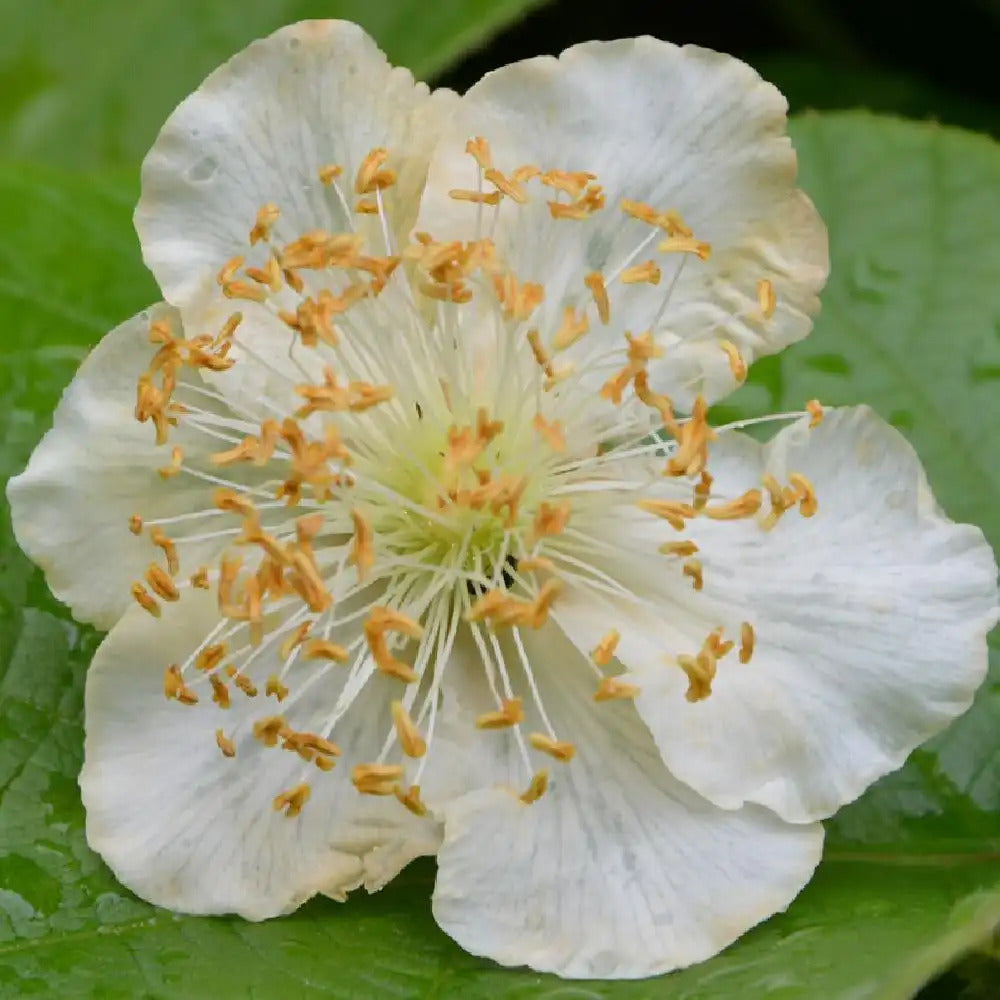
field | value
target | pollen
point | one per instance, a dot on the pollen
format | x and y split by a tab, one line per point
559	749
293	800
510	713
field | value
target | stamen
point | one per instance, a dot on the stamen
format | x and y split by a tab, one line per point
225	744
693	569
135	524
411	799
175	688
648	273
744	506
146	600
161	583
808	504
700	671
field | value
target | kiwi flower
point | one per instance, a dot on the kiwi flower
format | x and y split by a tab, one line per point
413	536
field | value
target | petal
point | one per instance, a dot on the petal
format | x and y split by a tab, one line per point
258	131
870	619
187	828
617	871
92	471
678	128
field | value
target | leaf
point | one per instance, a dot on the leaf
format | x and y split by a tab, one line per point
909	882
96	90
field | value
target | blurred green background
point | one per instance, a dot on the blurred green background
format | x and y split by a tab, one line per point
908	897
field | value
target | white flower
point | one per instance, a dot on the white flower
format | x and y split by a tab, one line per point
404	548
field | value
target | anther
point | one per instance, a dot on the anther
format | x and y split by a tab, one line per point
371	176
321	649
267	216
271	729
559	749
649	272
275	688
603	653
572	328
146	600
246	685
681	549
199	579
673	512
693	569
479	149
175	688
736	363
411	799
747	639
815	409
135	524
536	789
293	800
160	540
614	689
551	433
510	713
766	298
377	779
743	506
225	744
211	656
161	583
808	505
700	672
329	173
220	693
595	282
410	738
176	458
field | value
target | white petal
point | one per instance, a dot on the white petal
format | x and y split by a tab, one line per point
678	128
187	828
95	468
258	131
617	871
871	620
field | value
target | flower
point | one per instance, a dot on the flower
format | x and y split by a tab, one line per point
413	536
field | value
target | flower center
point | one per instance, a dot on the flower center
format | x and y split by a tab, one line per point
405	454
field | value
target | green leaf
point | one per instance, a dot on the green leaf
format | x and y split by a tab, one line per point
88	84
909	881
